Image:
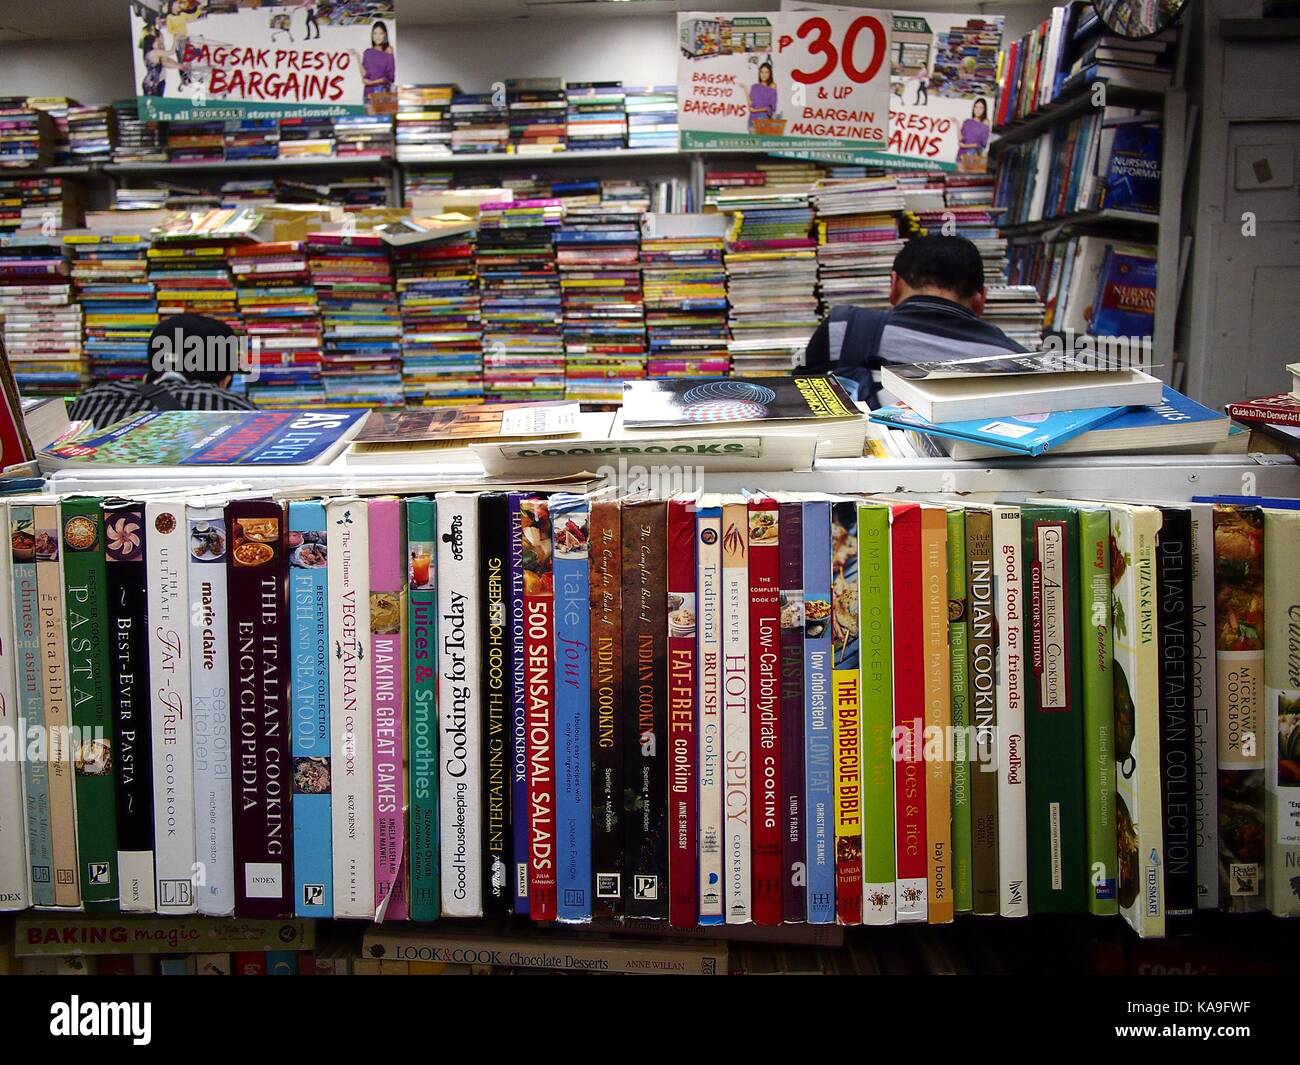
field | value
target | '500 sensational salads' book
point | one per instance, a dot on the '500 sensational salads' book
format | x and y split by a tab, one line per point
211	438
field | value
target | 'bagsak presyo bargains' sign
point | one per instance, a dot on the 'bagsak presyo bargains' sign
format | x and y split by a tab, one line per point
216	59
768	81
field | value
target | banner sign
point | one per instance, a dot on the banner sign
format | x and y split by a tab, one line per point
208	60
789	80
943	86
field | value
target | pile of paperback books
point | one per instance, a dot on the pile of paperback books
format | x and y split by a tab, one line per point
110	275
684	287
41	324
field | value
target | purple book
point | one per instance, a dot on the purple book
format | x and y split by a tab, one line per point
794	887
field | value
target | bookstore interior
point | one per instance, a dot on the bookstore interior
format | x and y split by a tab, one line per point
511	488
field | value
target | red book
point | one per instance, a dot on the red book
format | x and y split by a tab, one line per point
683	906
765	708
539	671
909	712
249	963
1282	409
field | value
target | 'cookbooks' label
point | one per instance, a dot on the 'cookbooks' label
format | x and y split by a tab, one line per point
1241	685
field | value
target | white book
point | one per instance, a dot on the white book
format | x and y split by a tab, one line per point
170	709
15	888
1085	275
459	698
1013	858
735	712
351	746
1281	712
709	720
210	709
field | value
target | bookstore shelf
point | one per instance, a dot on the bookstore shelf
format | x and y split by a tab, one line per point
507	158
1066	108
1081	219
232	166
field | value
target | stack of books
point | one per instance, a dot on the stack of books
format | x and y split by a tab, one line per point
362	357
684	287
189	262
57	108
856	273
26	134
597	119
363	137
423	122
195	142
91	133
252	138
858	211
1017	311
1273	421
442	333
282	323
137	141
537	110
651	116
353	192
258	192
523	334
479	125
968	190
598	253
42	327
110	274
307	138
28	202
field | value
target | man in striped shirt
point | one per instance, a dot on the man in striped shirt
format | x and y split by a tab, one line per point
192	363
937	295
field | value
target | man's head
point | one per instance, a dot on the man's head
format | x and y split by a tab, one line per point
202	349
949	267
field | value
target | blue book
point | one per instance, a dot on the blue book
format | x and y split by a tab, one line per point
281	963
519	798
1133	172
819	798
1028	434
1126	293
570	525
309	703
709	711
1275	502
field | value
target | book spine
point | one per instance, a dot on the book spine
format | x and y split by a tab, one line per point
874	619
606	590
1177	745
1055	801
709	711
1205	691
422	709
765	708
683	865
1281	706
912	886
210	709
257	577
126	539
814	712
958	663
981	588
645	698
170	708
938	714
494	561
352	815
85	596
1013	858
387	521
1262	414
570	540
1098	686
309	621
793	813
15	866
521	823
1240	613
737	834
459	704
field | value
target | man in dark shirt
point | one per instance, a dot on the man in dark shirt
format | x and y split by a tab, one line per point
937	295
192	359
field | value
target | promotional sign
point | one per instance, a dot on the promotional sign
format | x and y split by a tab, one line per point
943	85
209	60
788	80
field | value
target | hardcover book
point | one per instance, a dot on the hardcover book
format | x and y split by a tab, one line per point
605	557
794	886
981	682
422	822
737	829
816	713
683	771
15	869
497	743
1282	716
765	708
710	699
938	714
520	797
958	659
1013	872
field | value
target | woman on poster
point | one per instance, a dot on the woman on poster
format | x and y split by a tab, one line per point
973	138
762	96
378	64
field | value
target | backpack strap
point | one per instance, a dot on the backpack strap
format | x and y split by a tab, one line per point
156	397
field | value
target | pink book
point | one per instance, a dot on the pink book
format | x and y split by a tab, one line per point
388	698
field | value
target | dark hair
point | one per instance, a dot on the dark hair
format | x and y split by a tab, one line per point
982	103
388	43
951	264
175	332
771	78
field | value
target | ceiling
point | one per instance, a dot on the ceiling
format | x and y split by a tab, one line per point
51	20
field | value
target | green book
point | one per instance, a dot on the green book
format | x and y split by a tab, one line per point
86	606
958	647
1097	666
875	664
1058	876
422	689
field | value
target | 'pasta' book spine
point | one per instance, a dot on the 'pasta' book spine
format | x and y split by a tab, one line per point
683	867
606	589
126	539
171	709
422	709
817	716
85	601
570	538
736	864
210	690
494	562
709	712
352	814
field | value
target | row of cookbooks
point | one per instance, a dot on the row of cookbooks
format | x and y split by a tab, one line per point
1071	49
762	708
